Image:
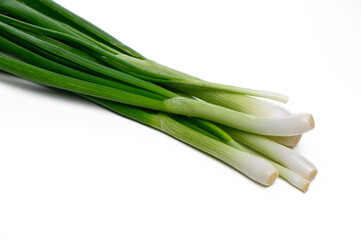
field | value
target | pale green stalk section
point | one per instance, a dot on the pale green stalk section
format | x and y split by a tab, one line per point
238	102
292	177
203	85
280	126
276	152
249	105
179	80
156	69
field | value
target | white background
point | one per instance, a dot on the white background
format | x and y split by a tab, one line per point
71	170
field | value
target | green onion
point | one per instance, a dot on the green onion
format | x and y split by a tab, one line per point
45	43
252	166
276	152
152	119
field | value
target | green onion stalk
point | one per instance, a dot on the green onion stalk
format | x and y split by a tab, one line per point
276	152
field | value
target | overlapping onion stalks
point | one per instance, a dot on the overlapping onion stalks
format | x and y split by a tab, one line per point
44	43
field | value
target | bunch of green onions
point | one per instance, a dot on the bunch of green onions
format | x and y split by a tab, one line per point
45	43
